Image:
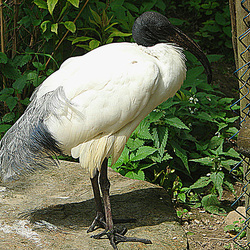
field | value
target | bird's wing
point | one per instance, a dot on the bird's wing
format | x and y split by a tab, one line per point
106	91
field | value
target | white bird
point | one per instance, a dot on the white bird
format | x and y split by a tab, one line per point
92	104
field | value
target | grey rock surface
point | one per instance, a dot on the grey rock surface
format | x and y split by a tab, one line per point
52	209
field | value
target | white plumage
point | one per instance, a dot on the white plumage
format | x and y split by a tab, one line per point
110	90
92	104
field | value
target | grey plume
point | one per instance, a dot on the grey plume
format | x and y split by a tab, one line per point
28	144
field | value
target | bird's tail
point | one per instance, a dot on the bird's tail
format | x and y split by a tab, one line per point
28	144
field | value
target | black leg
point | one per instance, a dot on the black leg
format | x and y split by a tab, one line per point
105	185
99	219
115	236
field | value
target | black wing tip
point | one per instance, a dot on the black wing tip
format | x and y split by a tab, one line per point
42	140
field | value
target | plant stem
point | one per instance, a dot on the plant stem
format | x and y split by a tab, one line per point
14	44
1	22
2	36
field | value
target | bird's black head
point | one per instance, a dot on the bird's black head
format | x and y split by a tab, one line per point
151	28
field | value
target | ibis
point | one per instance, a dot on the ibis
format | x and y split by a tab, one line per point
90	106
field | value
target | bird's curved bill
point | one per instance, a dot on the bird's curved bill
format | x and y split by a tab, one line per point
187	43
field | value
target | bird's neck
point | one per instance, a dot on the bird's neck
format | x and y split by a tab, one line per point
171	62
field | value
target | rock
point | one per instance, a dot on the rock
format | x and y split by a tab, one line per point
235	216
52	209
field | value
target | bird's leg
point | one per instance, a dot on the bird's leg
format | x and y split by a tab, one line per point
105	185
115	236
99	220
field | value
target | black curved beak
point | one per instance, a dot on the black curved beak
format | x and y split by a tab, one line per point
187	43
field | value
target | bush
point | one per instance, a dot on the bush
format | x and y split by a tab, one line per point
180	145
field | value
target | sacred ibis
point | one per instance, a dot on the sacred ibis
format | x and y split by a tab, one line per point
92	104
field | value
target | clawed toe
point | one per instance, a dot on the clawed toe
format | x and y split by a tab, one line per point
116	236
99	222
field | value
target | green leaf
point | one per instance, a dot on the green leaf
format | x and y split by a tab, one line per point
10	71
131	7
11	102
109	40
182	197
41	4
123	159
51	5
213	28
228	32
110	26
136	176
214	58
38	65
145	166
81	39
217	179
74	3
221	126
176	21
167	157
94	44
220	19
215	142
194	72
201	183
20	83
9	117
142	131
227	163
66	6
176	122
4	127
3	58
208	161
34	78
181	153
142	153
160	137
44	25
119	34
230	186
97	18
21	60
7	91
54	27
147	5
154	116
232	153
134	144
204	116
167	104
212	205
69	25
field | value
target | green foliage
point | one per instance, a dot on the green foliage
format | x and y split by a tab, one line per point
181	144
237	228
186	137
209	20
103	32
182	213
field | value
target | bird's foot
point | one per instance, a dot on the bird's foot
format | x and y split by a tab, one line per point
116	236
98	222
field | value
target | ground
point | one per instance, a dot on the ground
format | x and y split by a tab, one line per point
206	231
53	208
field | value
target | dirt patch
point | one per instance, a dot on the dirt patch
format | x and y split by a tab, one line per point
206	231
52	209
